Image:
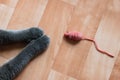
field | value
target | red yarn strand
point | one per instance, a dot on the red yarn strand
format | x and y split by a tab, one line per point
77	36
96	46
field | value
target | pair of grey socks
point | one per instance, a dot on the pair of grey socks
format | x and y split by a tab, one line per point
36	41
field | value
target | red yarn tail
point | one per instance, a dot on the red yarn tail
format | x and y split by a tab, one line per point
96	46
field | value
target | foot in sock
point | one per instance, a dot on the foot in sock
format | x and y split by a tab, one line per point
13	68
27	35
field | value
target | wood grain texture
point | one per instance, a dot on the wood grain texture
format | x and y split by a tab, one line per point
6	10
58	76
27	14
9	3
63	60
116	69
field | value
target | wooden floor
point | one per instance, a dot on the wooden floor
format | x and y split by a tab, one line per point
97	19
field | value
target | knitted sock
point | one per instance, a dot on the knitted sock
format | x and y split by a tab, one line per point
38	44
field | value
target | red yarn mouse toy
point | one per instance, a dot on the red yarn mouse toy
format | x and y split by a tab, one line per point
77	36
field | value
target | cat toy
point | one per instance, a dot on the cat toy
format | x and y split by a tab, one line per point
77	36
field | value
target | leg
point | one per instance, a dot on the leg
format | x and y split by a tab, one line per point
27	35
11	69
